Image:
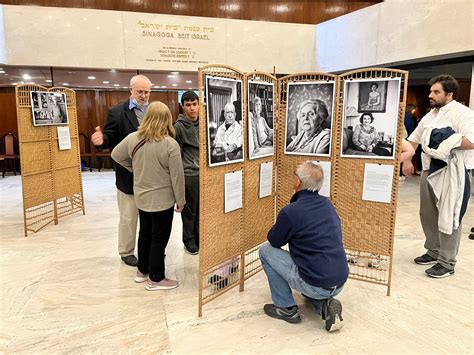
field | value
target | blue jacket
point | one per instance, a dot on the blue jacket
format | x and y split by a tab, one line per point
311	227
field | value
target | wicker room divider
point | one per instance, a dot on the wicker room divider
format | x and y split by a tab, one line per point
51	178
367	227
233	238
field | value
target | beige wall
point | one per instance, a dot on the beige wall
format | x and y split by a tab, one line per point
47	36
395	31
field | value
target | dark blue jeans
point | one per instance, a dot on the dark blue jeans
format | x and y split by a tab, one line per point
155	230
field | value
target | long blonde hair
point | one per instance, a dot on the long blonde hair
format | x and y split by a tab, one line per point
157	123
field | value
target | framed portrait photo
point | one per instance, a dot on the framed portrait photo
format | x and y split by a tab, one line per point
309	118
370	134
372	96
48	108
224	120
260	121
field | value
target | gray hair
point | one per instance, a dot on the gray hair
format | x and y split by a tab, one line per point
311	176
135	78
229	105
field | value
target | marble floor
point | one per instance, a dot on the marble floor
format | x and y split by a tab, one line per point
65	290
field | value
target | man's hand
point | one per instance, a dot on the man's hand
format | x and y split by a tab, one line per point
363	147
97	137
179	208
231	147
408	168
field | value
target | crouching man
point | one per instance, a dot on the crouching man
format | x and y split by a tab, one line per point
316	264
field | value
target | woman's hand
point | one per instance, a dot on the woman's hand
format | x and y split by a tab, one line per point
179	208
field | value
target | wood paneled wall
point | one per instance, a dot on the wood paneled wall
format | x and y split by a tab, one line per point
293	11
92	106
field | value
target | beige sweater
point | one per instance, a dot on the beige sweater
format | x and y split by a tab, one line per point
158	177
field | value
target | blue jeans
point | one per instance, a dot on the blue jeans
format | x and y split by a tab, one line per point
282	274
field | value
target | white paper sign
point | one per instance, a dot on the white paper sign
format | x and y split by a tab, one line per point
232	191
326	188
266	179
64	139
378	183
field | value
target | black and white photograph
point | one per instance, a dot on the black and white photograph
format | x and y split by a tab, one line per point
260	119
373	96
224	120
48	108
370	134
309	116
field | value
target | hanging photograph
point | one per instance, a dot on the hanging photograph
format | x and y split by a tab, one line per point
48	108
370	134
309	116
372	96
224	120
260	119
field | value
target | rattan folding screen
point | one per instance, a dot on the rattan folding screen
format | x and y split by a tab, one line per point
231	240
51	178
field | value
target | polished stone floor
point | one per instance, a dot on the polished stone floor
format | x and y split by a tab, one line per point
65	290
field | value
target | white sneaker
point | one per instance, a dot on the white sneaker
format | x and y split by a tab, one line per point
165	284
139	277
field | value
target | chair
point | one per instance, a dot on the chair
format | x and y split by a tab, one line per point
104	153
85	148
9	152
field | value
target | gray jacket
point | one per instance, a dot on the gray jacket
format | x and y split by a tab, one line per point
187	136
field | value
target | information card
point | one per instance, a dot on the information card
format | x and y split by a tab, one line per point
378	183
232	191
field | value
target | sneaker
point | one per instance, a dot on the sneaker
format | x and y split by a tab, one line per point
139	277
130	260
288	315
191	247
439	271
165	284
332	314
425	259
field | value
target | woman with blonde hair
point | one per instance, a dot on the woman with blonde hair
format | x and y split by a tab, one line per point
154	157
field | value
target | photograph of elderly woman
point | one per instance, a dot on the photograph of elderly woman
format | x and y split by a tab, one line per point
224	120
309	113
260	119
370	134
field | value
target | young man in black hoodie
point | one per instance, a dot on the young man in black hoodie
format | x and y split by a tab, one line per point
187	135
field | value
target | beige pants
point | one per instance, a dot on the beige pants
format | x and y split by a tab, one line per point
127	228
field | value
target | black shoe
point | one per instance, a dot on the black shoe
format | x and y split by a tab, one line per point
288	315
191	247
332	314
425	259
439	271
130	260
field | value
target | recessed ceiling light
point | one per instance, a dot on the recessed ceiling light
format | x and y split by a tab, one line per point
156	87
190	89
65	84
26	76
14	83
189	81
113	70
2	71
48	80
171	76
174	84
175	73
105	82
163	86
7	74
91	77
116	84
124	87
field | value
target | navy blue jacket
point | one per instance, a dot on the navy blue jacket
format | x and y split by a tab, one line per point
312	228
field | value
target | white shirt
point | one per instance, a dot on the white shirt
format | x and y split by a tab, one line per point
455	115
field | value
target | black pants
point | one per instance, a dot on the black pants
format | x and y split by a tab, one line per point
155	230
190	214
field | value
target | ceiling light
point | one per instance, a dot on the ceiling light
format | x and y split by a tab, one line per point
189	81
156	87
26	76
175	73
171	76
174	84
7	74
124	87
65	84
2	71
190	89
113	70
105	82
163	86
116	84
91	77
48	80
14	83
